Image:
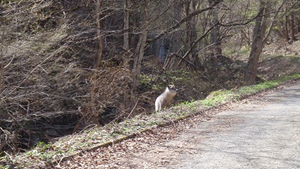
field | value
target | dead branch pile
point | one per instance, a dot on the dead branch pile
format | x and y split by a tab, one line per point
110	94
45	77
37	79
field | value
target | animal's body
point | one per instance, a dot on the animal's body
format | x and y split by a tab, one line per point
165	98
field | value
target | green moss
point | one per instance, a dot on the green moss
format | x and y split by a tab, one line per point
178	75
218	97
146	78
295	59
245	49
42	146
266	85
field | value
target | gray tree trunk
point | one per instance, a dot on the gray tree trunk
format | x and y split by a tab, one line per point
215	48
176	35
139	51
100	48
126	25
215	34
257	43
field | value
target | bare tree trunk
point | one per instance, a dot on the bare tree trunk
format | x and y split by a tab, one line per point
257	43
191	33
294	19
1	62
1	70
126	25
188	24
215	34
100	48
176	34
286	24
92	114
139	51
215	48
298	21
292	27
298	18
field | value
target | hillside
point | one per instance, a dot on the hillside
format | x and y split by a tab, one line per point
65	66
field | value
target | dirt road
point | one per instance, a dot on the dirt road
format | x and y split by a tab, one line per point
252	136
260	133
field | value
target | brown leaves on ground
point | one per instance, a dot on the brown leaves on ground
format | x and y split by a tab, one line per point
152	149
115	156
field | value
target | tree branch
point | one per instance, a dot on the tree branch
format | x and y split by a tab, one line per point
177	25
273	21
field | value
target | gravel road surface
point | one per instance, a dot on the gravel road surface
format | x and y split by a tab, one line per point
251	136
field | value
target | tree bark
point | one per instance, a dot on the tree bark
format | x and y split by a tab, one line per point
139	51
257	43
176	35
292	27
126	25
100	48
191	33
286	24
215	34
92	115
1	71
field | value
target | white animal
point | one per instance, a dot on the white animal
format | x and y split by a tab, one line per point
165	98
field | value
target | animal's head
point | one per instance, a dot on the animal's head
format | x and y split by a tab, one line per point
172	88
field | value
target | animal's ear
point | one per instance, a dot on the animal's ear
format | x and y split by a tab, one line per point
171	86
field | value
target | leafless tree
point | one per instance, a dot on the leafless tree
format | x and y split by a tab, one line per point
176	18
139	51
257	46
100	48
126	24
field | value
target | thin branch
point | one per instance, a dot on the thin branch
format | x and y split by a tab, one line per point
9	62
236	23
273	22
198	40
133	108
177	25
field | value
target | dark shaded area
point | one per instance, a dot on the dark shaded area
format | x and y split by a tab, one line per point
31	130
